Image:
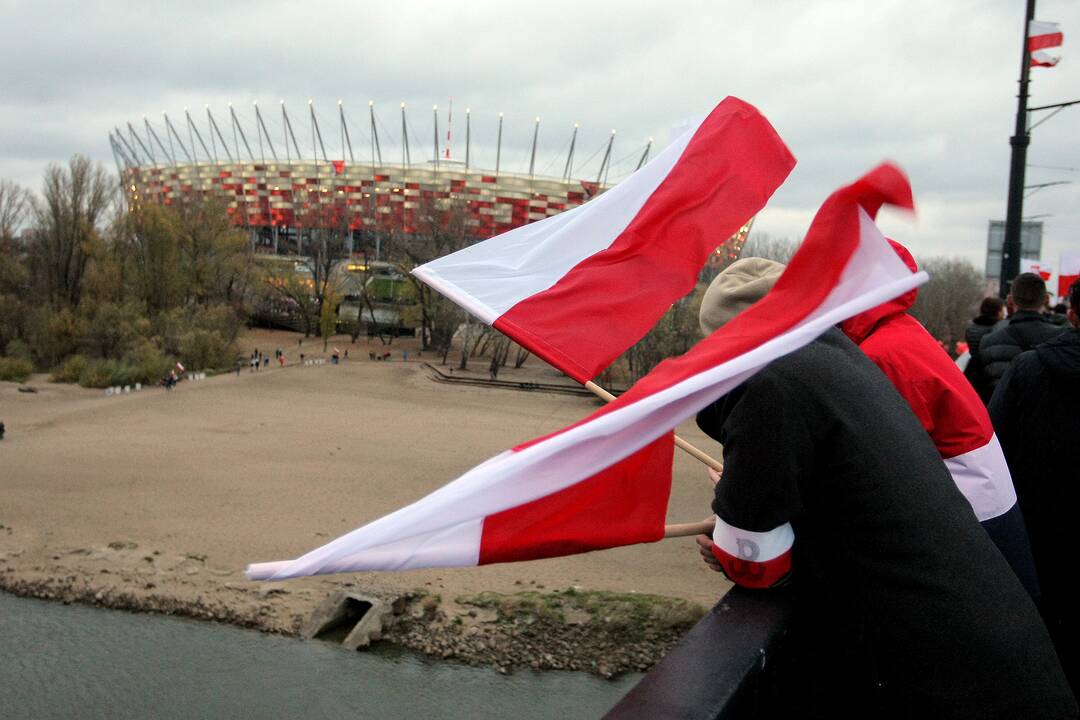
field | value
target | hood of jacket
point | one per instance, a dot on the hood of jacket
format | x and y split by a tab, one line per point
859	327
1061	355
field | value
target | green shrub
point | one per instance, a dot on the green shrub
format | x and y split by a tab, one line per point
107	373
15	369
205	350
71	371
19	349
150	362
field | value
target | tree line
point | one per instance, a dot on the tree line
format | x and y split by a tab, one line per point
103	292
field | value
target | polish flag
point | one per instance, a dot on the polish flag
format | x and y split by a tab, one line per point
1068	272
1041	59
605	480
577	289
1036	266
1043	35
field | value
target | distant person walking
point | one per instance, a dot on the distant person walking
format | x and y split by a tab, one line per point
991	312
1036	413
1026	327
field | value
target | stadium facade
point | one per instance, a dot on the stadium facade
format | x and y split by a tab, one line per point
281	194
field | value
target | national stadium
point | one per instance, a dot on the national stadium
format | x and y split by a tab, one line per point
280	189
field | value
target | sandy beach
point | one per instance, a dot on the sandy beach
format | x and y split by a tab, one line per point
157	501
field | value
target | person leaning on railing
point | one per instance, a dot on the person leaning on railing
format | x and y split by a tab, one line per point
831	485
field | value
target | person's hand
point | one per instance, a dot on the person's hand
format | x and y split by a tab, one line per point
704	543
714	476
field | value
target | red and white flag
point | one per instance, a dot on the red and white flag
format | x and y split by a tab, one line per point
605	480
1041	59
1038	267
1068	272
1043	35
577	289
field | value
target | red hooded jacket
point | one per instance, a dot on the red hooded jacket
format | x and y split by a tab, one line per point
952	413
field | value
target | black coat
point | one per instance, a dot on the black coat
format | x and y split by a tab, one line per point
900	584
1025	330
974	372
1036	414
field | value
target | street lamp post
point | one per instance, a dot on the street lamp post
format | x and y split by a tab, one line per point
1010	251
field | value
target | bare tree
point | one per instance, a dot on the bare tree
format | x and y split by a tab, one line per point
946	304
14	205
441	229
327	245
74	200
763	245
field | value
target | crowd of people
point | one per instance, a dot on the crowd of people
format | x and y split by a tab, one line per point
925	537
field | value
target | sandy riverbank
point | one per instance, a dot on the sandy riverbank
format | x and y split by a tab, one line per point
157	500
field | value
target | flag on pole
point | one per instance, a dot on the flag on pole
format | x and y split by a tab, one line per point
1043	35
1041	59
1038	267
1068	271
562	493
577	289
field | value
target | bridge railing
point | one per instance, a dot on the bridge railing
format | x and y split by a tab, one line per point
721	669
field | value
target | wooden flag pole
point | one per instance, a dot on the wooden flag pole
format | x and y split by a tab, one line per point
679	442
705	527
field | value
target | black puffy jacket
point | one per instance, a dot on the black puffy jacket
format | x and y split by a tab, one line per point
974	372
1025	330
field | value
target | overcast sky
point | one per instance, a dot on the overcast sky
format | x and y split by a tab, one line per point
929	84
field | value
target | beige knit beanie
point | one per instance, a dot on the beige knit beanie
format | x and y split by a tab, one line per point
740	285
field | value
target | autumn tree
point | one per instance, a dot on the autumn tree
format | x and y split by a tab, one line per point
215	258
67	222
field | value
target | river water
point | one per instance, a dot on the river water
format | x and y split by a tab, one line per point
60	661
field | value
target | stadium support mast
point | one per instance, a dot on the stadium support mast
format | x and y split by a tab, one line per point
344	132
406	158
449	128
215	129
151	134
170	129
237	129
570	156
289	129
435	114
137	139
194	131
119	154
532	155
644	156
124	142
376	151
316	133
260	129
498	146
607	158
468	137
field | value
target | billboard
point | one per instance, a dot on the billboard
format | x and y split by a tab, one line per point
1030	245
